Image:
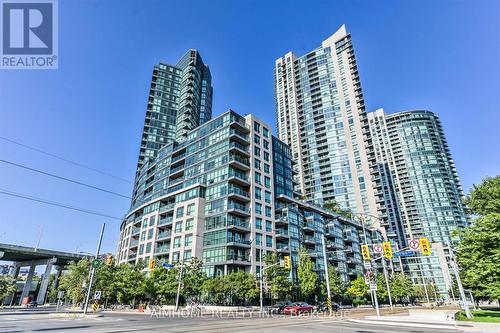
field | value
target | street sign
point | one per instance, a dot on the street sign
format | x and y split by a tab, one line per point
365	250
404	254
97	294
367	265
96	263
387	250
60	294
414	244
167	265
424	246
373	286
377	248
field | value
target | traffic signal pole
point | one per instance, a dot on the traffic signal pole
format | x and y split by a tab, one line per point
328	295
93	270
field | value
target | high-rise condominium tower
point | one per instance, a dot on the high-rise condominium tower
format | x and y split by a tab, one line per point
321	114
422	191
180	99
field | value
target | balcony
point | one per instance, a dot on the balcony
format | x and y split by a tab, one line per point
167	207
162	249
177	171
165	221
176	159
163	235
238	223
132	255
238	178
282	234
238	136
238	259
281	220
133	243
238	193
240	124
236	147
309	226
239	162
310	239
238	242
237	208
135	231
283	247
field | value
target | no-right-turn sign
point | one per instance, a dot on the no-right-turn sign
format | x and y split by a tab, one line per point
414	244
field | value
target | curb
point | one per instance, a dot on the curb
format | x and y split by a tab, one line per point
403	323
74	315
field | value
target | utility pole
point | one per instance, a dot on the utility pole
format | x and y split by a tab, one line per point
179	288
387	281
93	270
328	297
261	271
459	283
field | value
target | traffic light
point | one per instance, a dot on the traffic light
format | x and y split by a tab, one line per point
152	264
365	250
424	246
286	260
109	260
387	250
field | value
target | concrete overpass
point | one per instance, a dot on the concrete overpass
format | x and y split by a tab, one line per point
22	256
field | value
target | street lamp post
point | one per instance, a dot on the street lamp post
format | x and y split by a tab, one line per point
93	270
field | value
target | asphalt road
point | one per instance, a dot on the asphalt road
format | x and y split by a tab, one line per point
28	321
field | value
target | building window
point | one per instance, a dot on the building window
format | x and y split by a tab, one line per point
150	233
141	249
175	257
266	144
268	197
180	212
177	242
268	211
152	220
190	209
256	139
258	239
267	169
188	240
267	182
258	193
258	178
258	208
258	223
256	127
257	164
178	227
256	151
265	132
189	224
269	241
148	247
269	226
187	255
266	156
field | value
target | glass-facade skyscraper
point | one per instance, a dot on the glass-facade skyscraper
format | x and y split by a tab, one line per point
423	195
180	99
223	195
321	114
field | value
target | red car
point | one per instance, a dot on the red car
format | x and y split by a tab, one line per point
296	308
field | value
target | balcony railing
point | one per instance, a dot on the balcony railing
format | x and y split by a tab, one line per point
238	240
238	206
165	220
163	234
239	191
238	257
238	222
162	249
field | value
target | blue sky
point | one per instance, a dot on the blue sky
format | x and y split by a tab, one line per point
442	56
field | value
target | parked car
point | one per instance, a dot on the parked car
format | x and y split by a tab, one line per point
32	304
296	308
278	307
323	307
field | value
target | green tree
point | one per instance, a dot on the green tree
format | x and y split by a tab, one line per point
334	207
308	278
338	287
129	283
214	290
358	289
73	280
478	251
162	285
193	278
382	293
7	286
277	278
242	287
401	287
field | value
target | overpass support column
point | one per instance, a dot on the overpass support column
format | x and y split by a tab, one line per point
27	285
59	270
42	293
